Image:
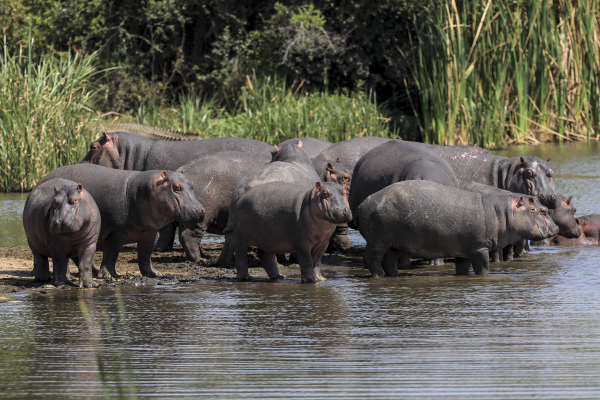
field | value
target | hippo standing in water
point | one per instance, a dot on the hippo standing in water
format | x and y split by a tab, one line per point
524	174
283	217
348	152
62	221
134	206
313	147
589	226
124	150
424	219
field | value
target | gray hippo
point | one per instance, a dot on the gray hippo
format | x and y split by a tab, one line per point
589	226
291	164
125	150
62	221
348	152
313	147
524	174
133	205
283	217
424	219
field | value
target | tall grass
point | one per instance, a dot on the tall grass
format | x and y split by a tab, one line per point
44	114
492	73
269	110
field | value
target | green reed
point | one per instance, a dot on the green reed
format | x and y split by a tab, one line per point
269	110
44	114
492	73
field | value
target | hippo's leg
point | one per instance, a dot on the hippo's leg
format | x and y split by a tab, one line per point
110	252
390	262
518	249
340	238
480	260
372	257
317	254
41	268
228	252
84	264
241	261
269	263
94	269
497	255
307	270
166	237
144	248
190	237
436	261
463	265
507	252
526	247
60	266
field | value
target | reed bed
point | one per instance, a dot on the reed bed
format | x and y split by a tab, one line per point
45	115
496	73
269	110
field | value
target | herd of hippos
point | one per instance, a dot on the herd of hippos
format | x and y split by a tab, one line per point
407	199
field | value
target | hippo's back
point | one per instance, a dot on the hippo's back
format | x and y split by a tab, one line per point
350	151
313	147
471	163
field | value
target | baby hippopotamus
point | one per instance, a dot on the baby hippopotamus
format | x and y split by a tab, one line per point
62	221
589	228
284	217
422	219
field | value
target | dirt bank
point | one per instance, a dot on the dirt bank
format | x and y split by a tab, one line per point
16	264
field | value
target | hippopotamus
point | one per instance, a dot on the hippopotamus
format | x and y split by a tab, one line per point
589	226
283	217
62	221
125	150
524	174
313	147
348	152
291	164
424	219
133	205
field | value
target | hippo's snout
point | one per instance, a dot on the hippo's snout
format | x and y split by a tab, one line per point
548	200
341	215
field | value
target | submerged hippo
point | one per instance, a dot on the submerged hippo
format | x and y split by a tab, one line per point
62	221
313	147
125	150
134	206
284	217
524	174
589	226
350	151
422	219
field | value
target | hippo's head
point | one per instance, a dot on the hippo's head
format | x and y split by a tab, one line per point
105	152
531	219
289	153
70	210
330	201
564	217
533	176
173	193
336	172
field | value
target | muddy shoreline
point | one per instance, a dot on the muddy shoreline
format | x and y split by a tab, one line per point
16	264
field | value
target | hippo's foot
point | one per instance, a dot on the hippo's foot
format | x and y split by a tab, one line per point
88	284
277	278
70	278
43	277
308	280
320	278
94	271
341	242
245	278
103	273
150	273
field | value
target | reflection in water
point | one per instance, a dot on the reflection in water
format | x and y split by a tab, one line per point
11	219
531	329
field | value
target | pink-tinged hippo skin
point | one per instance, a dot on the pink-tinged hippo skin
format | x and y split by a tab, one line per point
589	226
283	217
524	174
348	152
290	164
129	151
569	226
422	219
133	206
62	221
313	147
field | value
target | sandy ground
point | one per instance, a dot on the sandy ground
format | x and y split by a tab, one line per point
16	264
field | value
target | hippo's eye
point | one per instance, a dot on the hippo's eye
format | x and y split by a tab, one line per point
550	173
325	194
543	213
574	210
532	210
177	188
74	201
94	147
529	173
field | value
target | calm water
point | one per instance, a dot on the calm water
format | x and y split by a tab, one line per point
531	329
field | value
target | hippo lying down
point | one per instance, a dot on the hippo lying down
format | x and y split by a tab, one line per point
421	219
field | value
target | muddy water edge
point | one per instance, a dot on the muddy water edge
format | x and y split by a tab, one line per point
531	329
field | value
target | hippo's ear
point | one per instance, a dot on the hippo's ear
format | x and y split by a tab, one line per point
329	167
79	187
299	143
55	189
165	175
548	160
318	186
275	149
520	202
568	200
523	160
